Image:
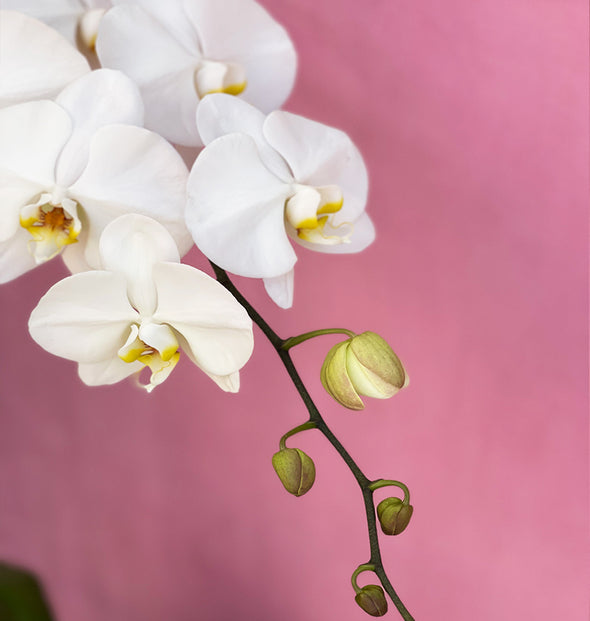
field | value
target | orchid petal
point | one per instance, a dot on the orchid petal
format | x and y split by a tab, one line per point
100	98
84	317
363	234
15	259
14	194
173	17
243	31
131	245
320	155
235	209
109	371
164	75
280	289
216	328
221	114
131	169
33	134
36	62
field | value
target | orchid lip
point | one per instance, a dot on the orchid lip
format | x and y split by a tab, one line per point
219	77
155	346
309	210
53	224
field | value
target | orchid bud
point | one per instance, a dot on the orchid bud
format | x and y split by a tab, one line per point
372	600
394	515
295	469
362	365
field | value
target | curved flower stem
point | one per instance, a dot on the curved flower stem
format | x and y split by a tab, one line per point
319	423
283	441
295	340
389	483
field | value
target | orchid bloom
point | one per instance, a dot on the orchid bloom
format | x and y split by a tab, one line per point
70	166
76	20
141	311
181	50
261	181
35	61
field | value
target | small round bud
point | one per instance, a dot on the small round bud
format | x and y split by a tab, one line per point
295	469
372	600
362	365
394	515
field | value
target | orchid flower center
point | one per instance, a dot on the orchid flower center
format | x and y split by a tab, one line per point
309	211
53	224
219	77
88	27
155	346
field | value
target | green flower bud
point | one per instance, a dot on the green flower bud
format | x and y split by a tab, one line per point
372	600
362	365
394	515
295	469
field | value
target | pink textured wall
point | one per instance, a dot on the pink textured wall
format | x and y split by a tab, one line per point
472	116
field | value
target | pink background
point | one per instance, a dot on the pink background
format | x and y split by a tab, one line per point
472	116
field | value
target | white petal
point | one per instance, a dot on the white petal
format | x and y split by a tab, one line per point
32	136
242	31
15	259
320	155
164	75
235	209
74	255
84	317
97	99
109	371
14	194
221	114
132	244
36	60
131	169
61	15
217	329
363	234
172	16
280	289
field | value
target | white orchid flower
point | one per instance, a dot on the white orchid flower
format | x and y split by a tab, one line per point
141	311
262	181
76	20
35	61
180	50
70	166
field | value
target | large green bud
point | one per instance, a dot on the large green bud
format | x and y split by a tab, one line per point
394	515
372	600
295	469
362	365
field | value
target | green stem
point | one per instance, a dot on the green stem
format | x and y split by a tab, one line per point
388	482
295	340
316	418
304	427
359	570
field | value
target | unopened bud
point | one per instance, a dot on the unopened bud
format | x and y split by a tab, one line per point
394	515
362	365
295	469
372	600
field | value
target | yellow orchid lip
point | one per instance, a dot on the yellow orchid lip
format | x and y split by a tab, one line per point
161	360
219	77
52	228
307	203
